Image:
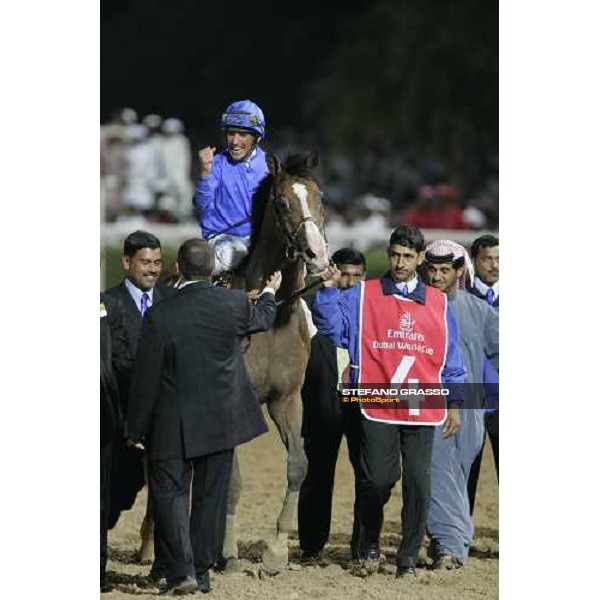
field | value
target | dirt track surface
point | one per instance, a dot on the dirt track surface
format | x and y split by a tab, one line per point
263	471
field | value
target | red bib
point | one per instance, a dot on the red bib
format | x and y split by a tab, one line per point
403	342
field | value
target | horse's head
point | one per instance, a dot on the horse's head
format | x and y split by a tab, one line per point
298	206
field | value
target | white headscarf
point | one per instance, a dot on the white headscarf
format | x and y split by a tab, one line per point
440	249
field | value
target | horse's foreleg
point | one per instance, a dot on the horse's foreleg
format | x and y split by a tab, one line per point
297	463
287	416
230	548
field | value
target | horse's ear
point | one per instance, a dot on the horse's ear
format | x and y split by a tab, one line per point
312	160
273	164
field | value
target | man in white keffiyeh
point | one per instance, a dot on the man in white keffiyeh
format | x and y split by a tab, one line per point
449	524
447	251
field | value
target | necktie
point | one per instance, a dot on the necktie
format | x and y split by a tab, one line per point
489	296
144	304
404	290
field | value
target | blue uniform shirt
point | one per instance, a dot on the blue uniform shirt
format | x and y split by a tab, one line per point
225	196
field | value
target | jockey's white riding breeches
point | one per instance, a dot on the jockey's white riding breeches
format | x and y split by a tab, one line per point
229	251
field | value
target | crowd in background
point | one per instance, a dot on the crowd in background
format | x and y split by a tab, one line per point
149	168
145	168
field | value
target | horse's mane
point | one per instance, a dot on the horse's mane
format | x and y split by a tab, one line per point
300	165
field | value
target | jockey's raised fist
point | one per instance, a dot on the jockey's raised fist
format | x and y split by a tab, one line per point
206	156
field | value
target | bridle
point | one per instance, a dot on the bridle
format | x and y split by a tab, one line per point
290	230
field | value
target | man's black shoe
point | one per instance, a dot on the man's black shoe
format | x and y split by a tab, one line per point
179	587
156	577
203	580
406	572
311	558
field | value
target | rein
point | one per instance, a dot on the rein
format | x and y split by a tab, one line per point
297	293
290	233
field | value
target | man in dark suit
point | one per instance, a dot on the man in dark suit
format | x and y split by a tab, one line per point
192	401
142	263
325	422
115	365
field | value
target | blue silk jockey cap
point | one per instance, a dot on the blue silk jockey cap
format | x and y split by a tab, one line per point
244	114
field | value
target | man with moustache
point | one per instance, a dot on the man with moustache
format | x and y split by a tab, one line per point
485	253
361	319
142	263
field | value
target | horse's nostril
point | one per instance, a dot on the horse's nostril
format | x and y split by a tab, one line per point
310	253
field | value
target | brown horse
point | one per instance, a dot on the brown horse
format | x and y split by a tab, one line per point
291	239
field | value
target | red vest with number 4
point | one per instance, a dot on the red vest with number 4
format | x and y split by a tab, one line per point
403	343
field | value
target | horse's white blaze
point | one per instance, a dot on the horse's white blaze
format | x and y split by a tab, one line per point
302	195
317	244
314	239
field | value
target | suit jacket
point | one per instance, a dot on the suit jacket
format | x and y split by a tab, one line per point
191	394
132	321
115	365
473	290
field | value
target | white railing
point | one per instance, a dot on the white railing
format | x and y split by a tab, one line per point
362	236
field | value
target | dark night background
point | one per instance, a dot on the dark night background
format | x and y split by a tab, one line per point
418	78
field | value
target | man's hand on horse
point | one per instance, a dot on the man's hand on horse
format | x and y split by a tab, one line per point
206	156
253	295
330	276
131	444
274	281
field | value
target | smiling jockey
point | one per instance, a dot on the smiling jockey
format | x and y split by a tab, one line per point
227	183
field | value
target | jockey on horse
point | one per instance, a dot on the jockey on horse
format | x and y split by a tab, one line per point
227	183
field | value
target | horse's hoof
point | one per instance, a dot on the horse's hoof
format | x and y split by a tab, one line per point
265	573
146	555
275	559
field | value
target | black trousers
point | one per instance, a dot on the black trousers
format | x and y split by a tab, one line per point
381	446
322	439
126	480
492	426
191	540
106	452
